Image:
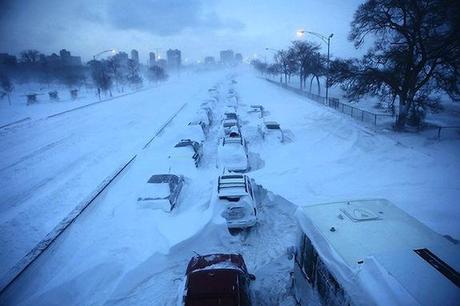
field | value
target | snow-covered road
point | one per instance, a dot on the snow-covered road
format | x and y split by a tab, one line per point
49	166
117	253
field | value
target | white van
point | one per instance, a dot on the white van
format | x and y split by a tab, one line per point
369	252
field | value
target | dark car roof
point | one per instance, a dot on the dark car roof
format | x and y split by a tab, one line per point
200	262
213	287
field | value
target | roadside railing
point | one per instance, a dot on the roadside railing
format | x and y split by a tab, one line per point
452	127
354	112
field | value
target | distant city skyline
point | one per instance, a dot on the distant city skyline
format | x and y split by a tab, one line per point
198	28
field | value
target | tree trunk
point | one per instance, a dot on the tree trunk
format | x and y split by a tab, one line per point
401	118
319	87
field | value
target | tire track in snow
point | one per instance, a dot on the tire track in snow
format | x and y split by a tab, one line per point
36	152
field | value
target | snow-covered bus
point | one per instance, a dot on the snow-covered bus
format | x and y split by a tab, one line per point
369	252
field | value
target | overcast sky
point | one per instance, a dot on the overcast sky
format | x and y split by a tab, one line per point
196	27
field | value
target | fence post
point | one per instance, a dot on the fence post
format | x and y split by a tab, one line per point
362	116
439	133
375	119
352	112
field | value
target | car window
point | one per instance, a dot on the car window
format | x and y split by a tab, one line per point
309	258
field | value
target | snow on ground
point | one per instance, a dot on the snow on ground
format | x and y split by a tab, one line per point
117	253
49	166
333	157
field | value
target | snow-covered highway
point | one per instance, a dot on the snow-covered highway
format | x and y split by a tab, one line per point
49	166
117	253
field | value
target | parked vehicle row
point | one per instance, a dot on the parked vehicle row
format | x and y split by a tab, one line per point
162	190
363	252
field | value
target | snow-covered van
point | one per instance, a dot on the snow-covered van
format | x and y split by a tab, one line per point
369	252
233	154
236	193
217	279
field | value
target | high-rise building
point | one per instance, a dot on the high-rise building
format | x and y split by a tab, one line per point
174	58
135	55
226	57
162	63
152	59
209	60
238	58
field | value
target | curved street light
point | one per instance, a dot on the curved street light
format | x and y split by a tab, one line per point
326	40
102	52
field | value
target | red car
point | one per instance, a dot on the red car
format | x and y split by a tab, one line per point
217	279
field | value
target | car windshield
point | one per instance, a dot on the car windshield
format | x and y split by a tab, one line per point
272	126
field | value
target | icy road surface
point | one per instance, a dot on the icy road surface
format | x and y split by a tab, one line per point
117	253
49	166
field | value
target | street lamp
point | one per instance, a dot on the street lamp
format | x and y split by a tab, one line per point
326	40
105	51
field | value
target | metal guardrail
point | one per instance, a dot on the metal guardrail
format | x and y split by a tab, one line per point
15	122
164	126
335	103
440	128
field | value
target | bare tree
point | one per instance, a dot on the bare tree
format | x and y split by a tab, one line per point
134	76
416	53
7	86
259	66
156	74
101	77
117	71
306	54
30	56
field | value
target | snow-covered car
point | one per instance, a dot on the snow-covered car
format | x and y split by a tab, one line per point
217	279
235	192
233	132
228	124
230	115
271	130
196	131
187	150
161	192
233	155
257	109
206	111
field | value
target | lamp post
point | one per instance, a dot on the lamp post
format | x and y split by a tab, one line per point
326	40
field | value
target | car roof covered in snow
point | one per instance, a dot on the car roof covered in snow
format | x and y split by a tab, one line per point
230	185
272	124
216	261
389	249
234	139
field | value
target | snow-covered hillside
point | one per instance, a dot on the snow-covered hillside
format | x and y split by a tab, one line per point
119	253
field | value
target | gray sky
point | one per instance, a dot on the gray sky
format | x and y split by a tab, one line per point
197	27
